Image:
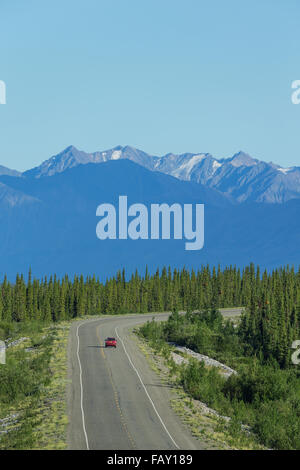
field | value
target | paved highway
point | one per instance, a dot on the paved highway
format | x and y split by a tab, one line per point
115	400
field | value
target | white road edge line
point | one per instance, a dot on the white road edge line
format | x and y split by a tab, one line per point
80	379
134	368
81	390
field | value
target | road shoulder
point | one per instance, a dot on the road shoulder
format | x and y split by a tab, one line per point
204	426
163	392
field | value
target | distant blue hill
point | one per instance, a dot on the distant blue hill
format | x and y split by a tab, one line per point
49	223
241	177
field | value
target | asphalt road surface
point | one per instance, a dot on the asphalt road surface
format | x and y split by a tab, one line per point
115	400
234	312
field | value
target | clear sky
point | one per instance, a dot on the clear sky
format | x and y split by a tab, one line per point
161	75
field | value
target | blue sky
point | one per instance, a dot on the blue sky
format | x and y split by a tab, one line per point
163	76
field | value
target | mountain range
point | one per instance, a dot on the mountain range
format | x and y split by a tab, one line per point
241	177
48	214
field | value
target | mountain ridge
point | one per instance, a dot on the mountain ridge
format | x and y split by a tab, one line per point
49	223
240	177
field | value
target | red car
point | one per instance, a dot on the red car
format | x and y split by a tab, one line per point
111	342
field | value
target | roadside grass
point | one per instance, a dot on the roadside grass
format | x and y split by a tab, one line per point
51	433
213	431
33	381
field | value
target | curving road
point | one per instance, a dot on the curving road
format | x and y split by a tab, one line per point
115	400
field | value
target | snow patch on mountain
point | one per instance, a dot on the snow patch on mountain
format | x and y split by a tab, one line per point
116	155
185	169
215	166
284	170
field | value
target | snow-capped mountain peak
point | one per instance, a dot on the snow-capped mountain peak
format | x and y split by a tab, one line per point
241	177
242	159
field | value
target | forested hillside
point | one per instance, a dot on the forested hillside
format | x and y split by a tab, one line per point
263	395
270	324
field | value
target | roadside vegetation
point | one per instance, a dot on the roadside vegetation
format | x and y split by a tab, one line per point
272	300
32	386
264	395
263	398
